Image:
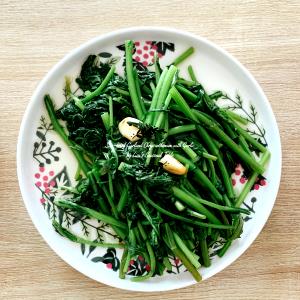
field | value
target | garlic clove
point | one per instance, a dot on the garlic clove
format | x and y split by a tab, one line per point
130	132
172	165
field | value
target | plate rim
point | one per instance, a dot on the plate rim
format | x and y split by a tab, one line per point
137	30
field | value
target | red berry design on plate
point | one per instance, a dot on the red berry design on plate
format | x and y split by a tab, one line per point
256	186
148	268
237	172
109	265
52	183
44	183
144	52
242	180
263	182
233	182
177	261
131	262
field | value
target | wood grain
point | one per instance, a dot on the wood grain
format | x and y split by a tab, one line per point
263	35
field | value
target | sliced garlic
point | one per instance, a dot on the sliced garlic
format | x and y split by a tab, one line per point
130	132
172	165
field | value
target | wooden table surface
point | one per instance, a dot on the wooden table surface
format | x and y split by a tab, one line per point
263	35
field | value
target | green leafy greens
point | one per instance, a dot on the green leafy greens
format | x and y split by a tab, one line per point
153	212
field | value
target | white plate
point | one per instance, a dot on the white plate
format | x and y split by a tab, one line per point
216	70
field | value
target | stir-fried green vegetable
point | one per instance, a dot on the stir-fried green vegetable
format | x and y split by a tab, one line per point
155	153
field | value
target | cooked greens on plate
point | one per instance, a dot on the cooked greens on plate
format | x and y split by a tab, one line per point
155	155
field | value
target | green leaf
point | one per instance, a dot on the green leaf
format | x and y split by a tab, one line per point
92	248
105	54
97	259
82	247
48	208
41	135
61	213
